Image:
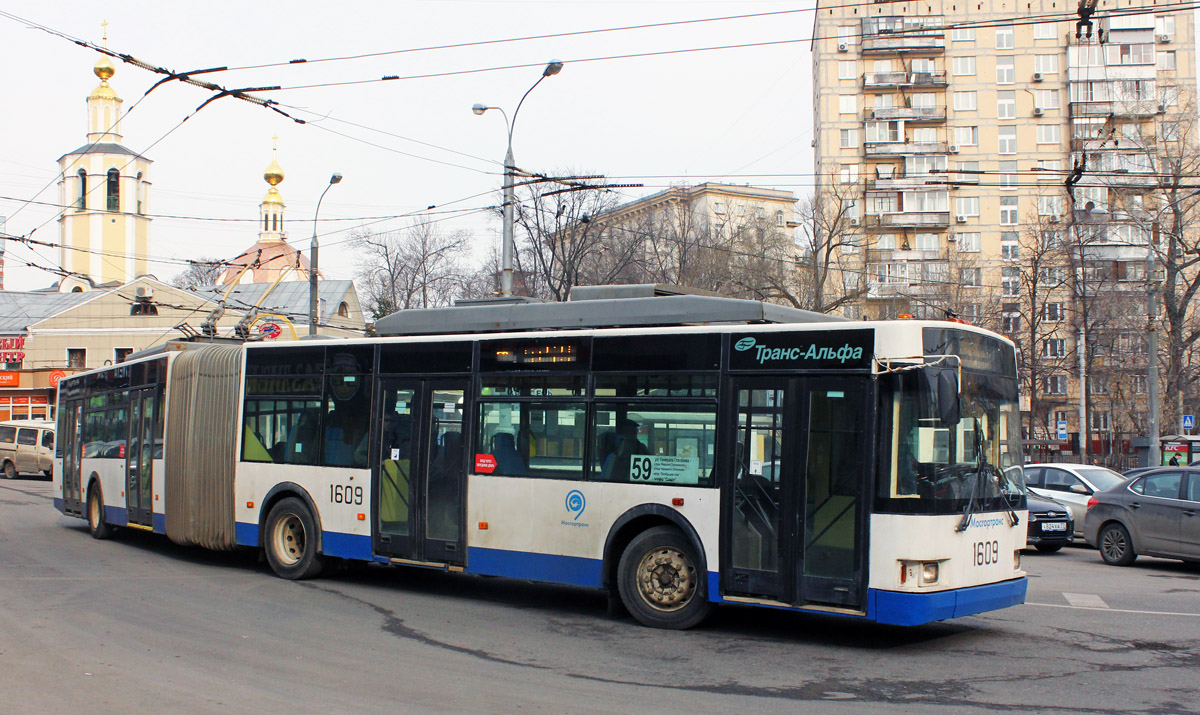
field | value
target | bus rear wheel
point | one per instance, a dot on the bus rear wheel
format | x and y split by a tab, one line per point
659	581
97	526
291	540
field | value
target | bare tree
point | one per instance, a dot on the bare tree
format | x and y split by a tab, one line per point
561	246
826	235
416	267
199	273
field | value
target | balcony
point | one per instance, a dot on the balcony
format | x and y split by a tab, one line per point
881	290
900	182
902	148
924	43
1120	108
896	80
908	114
909	219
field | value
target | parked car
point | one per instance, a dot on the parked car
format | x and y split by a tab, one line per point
1070	484
1131	473
1050	525
26	447
1156	514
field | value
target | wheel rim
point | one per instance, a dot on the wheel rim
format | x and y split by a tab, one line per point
9	470
666	579
1113	544
290	539
93	512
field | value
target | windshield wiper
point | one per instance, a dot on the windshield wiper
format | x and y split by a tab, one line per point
982	467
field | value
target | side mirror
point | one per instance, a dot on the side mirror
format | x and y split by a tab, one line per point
948	409
1080	489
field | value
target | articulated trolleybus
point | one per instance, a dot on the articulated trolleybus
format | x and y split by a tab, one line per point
707	451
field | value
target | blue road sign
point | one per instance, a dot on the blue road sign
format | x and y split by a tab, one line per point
1062	429
1189	421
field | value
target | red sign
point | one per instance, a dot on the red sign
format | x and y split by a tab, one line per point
43	400
10	379
55	377
5	400
270	331
12	349
485	463
20	400
121	452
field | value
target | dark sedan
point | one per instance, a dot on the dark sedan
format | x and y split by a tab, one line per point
1156	513
1050	526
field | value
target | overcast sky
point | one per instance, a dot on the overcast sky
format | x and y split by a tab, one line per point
681	117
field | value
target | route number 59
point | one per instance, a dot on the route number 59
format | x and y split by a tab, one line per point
640	468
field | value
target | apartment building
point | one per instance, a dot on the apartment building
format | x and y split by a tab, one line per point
1005	161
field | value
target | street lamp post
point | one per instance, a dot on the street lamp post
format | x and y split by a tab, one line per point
510	168
312	262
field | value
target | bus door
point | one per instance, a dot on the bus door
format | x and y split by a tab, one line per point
796	500
139	456
418	471
71	442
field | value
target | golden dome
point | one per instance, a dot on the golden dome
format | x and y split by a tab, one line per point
104	69
274	174
103	91
273	196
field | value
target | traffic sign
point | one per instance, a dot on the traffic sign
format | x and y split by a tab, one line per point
1189	421
1062	429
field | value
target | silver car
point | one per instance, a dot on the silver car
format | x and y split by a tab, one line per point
1070	485
1156	514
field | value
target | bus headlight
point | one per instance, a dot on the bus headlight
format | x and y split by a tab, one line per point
929	572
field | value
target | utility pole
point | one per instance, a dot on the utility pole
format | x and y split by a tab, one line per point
1153	458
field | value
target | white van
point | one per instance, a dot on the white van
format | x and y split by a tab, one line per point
26	447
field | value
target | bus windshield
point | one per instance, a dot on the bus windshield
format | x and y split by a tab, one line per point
928	467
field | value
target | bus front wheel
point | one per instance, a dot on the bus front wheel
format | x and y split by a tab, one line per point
97	526
659	581
291	540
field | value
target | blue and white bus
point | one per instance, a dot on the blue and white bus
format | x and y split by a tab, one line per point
705	451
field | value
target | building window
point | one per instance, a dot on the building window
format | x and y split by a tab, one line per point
966	136
1052	312
1051	167
1008	140
1006	104
849	173
120	354
971	277
1054	347
1045	64
1166	60
846	104
1131	54
1005	38
886	242
1055	385
1046	98
76	357
1048	134
967	34
926	242
968	242
1008	211
849	138
1045	31
1165	25
1100	421
114	190
1049	206
966	101
81	197
964	66
779	219
1008	175
966	206
1010	281
1010	251
343	310
719	208
1006	72
848	35
847	69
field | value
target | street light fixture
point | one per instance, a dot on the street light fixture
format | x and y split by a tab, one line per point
312	261
510	168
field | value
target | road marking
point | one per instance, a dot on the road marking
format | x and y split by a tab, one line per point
1114	610
1085	600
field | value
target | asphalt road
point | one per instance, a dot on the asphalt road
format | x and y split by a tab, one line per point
138	624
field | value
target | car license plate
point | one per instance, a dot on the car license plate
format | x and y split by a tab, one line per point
1054	526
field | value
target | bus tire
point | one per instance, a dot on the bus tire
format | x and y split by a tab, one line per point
97	526
291	540
659	581
10	470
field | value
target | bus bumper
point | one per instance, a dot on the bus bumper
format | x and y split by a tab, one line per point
912	609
